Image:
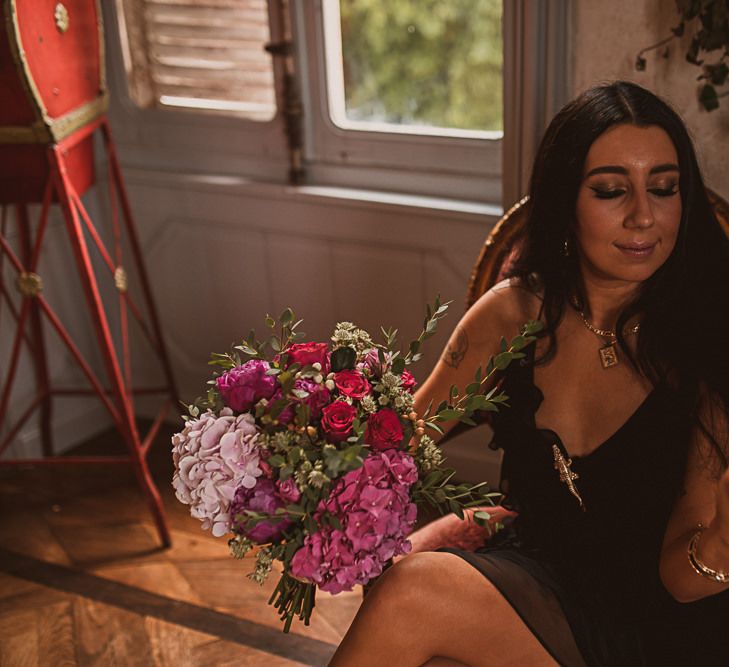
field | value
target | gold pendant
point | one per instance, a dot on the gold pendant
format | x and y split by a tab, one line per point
609	355
566	475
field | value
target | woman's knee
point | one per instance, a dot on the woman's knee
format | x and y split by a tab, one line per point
413	581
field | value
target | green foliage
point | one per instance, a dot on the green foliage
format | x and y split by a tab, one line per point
709	22
430	324
423	62
462	407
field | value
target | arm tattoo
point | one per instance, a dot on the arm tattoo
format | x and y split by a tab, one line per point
456	349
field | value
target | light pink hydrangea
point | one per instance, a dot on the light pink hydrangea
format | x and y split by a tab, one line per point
213	456
373	505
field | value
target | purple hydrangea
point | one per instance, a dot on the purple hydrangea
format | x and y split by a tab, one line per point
372	503
243	386
261	498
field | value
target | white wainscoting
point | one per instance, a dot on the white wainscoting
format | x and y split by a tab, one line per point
223	252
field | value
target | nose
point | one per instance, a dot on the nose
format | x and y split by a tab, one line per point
640	214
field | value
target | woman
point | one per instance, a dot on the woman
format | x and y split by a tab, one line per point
616	441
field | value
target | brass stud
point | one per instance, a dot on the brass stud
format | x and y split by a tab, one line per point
120	279
61	15
29	284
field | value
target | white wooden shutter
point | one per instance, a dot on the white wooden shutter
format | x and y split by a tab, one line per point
206	55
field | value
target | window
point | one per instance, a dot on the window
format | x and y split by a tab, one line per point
427	67
204	55
403	96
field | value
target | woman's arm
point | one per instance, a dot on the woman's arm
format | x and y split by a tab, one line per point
705	503
500	312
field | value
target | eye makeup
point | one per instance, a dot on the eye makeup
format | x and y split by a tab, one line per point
613	192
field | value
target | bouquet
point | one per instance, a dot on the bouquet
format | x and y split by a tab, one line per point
311	454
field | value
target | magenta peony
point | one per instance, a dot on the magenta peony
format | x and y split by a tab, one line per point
243	386
261	498
384	430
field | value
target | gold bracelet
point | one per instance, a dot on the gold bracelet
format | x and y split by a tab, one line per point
700	567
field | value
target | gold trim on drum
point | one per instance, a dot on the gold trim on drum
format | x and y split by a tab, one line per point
34	134
57	128
21	66
73	120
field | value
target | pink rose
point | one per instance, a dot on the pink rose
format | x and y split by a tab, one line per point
309	353
384	430
337	420
243	386
352	383
408	381
288	491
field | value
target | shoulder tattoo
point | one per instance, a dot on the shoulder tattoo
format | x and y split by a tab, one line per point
456	349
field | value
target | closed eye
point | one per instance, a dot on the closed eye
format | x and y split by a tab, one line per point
664	192
607	194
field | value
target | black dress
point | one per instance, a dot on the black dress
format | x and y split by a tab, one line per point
585	578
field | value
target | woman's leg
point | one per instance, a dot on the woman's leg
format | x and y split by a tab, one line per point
437	605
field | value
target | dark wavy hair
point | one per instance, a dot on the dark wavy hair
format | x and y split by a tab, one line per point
684	305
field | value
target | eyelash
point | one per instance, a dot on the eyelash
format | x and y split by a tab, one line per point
613	194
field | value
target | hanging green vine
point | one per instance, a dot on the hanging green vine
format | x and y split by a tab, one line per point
709	21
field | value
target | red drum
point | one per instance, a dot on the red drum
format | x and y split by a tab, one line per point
51	84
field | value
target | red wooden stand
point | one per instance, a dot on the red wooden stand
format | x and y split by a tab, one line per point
117	394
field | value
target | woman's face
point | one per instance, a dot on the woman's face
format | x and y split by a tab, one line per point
628	205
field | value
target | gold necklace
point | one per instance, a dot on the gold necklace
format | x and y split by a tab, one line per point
609	352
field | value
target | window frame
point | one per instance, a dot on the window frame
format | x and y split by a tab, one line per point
457	167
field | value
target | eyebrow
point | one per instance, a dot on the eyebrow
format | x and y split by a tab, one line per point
615	169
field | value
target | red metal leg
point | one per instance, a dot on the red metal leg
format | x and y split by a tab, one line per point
65	193
118	394
139	260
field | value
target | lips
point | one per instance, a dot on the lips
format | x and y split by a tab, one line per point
637	249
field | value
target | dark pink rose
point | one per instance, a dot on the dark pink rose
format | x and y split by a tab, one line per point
318	397
408	381
384	430
352	383
243	386
288	491
336	420
310	353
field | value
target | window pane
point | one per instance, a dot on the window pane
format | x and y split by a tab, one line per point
422	62
205	55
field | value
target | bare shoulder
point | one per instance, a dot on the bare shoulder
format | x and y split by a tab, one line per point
502	310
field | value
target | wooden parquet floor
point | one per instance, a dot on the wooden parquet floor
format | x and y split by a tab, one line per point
84	582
